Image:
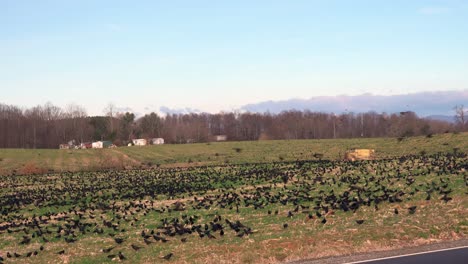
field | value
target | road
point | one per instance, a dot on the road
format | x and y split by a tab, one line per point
452	256
452	252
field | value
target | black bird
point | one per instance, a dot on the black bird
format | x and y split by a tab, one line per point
359	222
285	225
107	250
25	240
135	247
412	209
70	240
324	220
61	252
112	256
121	256
395	211
428	197
168	256
118	240
445	198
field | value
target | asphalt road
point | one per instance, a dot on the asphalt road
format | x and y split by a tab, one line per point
452	256
445	252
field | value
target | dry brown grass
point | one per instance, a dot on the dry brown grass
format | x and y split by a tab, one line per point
32	168
334	242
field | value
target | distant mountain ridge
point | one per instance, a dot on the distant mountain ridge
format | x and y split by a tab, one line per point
425	104
450	119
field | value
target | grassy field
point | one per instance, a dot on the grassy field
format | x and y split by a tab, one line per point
276	212
31	161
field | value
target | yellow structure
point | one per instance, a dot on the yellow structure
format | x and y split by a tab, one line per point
359	154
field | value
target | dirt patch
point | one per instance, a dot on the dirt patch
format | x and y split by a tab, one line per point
32	168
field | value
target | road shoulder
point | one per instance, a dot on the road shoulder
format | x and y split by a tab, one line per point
385	254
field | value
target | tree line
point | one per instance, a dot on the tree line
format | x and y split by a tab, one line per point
47	126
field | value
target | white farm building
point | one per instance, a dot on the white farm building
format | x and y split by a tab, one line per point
220	138
101	144
157	141
140	142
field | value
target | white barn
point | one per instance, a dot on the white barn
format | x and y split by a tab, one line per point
157	141
139	142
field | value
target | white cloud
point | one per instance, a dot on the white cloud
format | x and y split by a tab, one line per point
433	10
185	110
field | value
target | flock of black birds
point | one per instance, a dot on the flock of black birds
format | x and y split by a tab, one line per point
205	202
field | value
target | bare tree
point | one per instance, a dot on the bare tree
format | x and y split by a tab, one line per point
460	116
77	116
109	111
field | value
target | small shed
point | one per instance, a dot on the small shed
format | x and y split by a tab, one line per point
220	138
157	141
140	142
64	146
101	144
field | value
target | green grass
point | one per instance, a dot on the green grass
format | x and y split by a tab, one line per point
219	153
267	151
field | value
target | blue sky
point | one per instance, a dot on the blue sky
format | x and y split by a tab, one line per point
220	55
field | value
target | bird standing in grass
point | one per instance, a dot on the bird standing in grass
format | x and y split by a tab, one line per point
135	247
168	256
107	250
119	240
